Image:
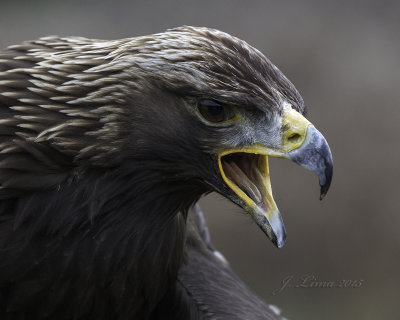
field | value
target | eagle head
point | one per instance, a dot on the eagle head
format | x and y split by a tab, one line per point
214	110
190	111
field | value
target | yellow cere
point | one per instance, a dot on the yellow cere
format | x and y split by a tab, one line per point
294	129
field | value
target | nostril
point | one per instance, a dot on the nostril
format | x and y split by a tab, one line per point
293	137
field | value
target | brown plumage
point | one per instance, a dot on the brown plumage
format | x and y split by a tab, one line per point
54	90
101	157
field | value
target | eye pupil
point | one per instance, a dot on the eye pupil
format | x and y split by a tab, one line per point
214	111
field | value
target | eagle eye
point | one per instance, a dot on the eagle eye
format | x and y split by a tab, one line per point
214	111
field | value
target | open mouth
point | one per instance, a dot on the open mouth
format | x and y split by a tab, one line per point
247	174
245	170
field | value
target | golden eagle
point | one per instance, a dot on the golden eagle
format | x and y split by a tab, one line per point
106	145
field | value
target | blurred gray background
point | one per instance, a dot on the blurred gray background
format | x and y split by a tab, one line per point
344	57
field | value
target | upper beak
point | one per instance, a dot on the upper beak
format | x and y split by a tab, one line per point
314	154
246	171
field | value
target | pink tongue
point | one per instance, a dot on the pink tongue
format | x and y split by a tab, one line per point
237	176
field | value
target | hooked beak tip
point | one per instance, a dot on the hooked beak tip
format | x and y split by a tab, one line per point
315	155
279	243
327	178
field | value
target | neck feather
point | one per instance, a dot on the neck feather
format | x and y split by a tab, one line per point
109	228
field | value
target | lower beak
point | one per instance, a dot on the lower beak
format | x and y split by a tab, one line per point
246	172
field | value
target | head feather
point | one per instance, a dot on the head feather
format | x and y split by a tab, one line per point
73	99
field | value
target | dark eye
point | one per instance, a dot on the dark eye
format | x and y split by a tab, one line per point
214	111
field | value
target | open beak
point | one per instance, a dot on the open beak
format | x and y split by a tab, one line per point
246	170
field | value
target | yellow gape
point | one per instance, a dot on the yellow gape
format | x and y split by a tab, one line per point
245	170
